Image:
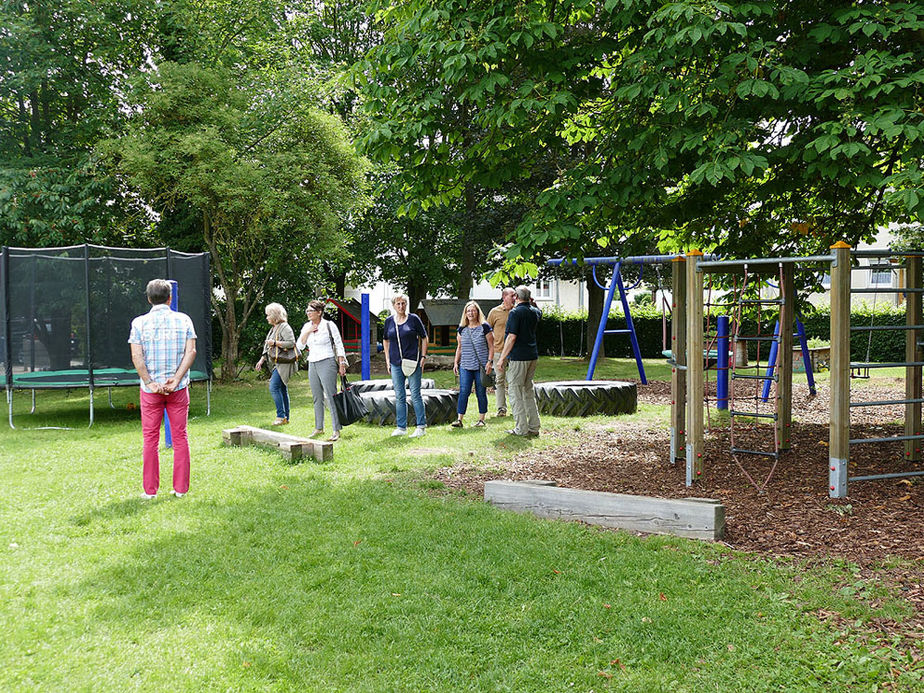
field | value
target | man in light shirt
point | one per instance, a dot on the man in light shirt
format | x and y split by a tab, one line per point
497	319
163	344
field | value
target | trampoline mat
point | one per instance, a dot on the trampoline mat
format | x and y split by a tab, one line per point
78	377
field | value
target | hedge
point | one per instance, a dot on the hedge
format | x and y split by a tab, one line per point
564	333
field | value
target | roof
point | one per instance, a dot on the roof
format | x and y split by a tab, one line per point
351	308
448	311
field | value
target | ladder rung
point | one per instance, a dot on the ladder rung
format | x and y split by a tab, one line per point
771	338
739	376
879	266
617	331
905	364
874	328
887	290
753	414
764	301
755	452
891	439
885	402
897	475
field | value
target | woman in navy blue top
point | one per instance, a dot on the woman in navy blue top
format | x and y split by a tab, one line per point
406	338
474	354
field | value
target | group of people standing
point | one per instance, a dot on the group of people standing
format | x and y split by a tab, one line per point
504	342
326	361
163	348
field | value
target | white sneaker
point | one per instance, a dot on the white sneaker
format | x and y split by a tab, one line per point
399	432
148	496
178	494
417	432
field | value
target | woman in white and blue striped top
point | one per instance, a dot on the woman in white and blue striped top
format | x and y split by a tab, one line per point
474	354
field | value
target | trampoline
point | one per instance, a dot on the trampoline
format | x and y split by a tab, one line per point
65	315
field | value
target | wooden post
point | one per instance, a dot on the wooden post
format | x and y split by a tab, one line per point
839	434
695	375
784	357
678	356
913	387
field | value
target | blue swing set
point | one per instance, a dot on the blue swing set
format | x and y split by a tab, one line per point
720	354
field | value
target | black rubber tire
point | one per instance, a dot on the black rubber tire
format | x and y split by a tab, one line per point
586	397
439	404
384	384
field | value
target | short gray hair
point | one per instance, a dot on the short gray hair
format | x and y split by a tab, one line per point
159	291
276	313
396	297
523	293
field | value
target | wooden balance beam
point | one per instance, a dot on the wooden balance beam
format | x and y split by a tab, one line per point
697	518
292	448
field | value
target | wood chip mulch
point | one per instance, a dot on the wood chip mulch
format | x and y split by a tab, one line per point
792	517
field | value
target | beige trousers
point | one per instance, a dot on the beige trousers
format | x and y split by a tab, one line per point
523	396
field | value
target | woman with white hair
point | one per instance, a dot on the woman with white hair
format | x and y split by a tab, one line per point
405	342
279	340
474	355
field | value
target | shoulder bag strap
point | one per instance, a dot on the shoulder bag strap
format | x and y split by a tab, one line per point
276	340
398	339
330	334
474	348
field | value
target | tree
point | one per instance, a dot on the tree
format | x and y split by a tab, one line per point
415	254
270	180
62	68
749	128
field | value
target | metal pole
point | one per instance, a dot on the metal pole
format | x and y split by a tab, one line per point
366	349
721	377
174	306
598	342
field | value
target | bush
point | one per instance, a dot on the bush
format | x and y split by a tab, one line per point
562	333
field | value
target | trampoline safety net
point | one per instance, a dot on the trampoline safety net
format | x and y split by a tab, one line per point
65	313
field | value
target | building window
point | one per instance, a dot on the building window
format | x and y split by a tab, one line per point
880	278
544	288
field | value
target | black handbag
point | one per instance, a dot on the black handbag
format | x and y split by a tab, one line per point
350	406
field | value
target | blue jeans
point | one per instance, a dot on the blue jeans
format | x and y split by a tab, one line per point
398	379
280	394
468	378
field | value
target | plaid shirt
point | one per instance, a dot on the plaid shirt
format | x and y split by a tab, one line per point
162	334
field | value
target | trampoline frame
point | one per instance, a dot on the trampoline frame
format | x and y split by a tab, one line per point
92	377
195	377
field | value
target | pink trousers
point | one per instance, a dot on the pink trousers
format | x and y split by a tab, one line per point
152	414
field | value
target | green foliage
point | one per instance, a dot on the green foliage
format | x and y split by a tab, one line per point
270	180
750	128
65	65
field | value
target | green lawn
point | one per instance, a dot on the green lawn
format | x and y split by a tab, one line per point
353	576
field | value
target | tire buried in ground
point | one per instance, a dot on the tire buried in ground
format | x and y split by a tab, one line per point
439	404
385	384
586	397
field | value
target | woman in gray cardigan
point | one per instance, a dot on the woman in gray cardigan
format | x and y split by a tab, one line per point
282	336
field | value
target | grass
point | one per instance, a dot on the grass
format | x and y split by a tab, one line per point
353	576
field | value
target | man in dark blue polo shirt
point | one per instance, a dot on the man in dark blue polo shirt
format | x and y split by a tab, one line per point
519	358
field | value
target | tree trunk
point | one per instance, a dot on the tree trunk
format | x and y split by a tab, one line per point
595	297
416	292
230	339
467	259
